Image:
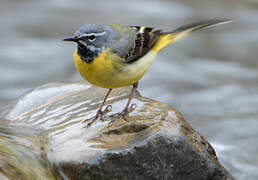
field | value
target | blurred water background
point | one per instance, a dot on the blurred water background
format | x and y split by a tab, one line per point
211	76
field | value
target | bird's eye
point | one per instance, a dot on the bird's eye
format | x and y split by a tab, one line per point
92	37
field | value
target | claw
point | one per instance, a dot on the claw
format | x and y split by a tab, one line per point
123	114
89	124
132	107
107	109
91	120
99	115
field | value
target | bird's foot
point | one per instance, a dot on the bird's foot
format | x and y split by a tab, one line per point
99	115
123	114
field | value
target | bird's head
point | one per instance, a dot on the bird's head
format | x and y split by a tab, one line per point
91	39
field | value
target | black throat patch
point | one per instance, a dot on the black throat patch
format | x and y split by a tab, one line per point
86	54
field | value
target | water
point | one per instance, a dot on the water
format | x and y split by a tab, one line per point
211	77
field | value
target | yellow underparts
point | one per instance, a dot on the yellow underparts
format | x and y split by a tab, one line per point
108	70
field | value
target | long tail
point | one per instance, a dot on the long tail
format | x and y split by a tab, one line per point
167	38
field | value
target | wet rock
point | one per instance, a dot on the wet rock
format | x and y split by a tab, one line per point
42	137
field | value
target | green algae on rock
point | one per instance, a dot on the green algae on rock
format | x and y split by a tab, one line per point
43	137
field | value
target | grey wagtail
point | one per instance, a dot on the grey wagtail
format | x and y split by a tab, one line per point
113	56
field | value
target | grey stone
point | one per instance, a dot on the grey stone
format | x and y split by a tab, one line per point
42	137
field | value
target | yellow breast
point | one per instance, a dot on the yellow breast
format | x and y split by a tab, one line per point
108	70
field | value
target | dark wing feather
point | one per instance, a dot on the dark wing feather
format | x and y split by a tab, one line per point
146	37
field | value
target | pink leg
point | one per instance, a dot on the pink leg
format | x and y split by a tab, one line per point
100	113
127	108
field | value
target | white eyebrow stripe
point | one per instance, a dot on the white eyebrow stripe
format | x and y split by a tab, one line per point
95	34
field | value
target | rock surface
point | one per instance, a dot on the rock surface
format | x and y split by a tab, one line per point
42	137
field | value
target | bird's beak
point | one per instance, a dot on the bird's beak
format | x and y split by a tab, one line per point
74	39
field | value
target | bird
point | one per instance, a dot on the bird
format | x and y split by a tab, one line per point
113	56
